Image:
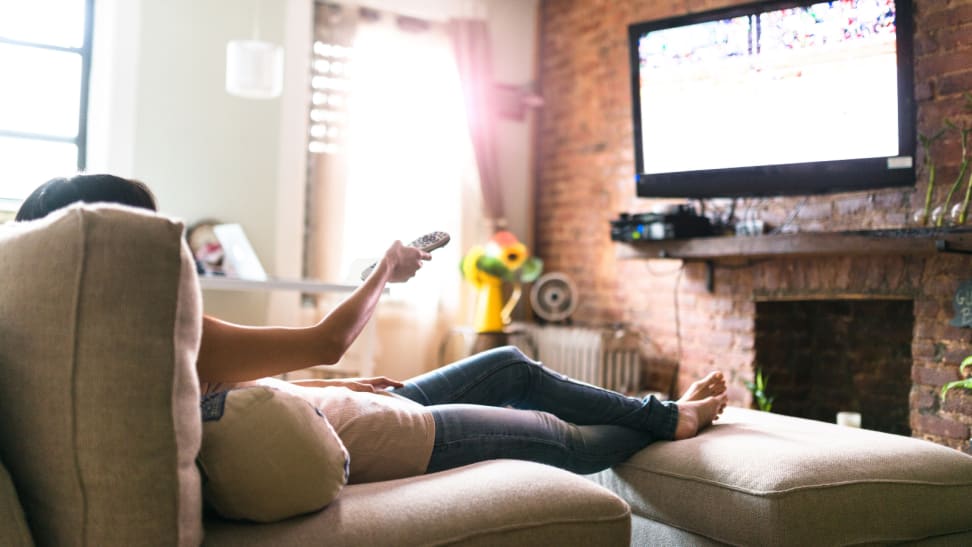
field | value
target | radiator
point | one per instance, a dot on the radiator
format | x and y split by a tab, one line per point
603	357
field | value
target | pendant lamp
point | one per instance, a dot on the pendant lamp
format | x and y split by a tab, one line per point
254	68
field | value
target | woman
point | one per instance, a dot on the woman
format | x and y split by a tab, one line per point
496	404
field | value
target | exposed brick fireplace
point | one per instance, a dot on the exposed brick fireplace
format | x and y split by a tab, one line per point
871	332
913	292
585	179
822	357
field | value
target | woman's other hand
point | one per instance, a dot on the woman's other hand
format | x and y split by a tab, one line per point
370	385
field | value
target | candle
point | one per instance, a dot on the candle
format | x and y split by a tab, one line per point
849	419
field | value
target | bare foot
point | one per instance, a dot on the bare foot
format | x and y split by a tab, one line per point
714	383
693	416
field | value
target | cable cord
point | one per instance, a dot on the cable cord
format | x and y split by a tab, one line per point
791	217
673	388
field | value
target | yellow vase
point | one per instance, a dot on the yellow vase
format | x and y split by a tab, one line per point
489	305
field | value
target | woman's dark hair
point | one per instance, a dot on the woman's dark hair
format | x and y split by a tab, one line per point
61	192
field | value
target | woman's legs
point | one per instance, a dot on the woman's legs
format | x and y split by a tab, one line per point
467	433
506	377
554	420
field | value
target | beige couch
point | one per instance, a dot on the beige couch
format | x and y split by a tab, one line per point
100	422
100	428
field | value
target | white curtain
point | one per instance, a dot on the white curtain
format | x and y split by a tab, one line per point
407	169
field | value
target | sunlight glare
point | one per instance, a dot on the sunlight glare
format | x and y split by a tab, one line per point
26	164
40	93
53	22
408	143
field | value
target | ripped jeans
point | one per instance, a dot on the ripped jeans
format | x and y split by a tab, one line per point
501	404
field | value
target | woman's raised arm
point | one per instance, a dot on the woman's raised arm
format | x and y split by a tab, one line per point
237	353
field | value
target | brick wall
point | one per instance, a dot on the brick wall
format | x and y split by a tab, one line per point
585	179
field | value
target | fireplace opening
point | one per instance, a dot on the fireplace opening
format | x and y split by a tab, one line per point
821	357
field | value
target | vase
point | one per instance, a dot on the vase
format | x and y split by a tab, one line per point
919	218
938	217
489	305
958	215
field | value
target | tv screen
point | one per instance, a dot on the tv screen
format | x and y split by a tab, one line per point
774	98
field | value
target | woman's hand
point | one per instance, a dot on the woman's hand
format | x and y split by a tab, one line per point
402	262
370	385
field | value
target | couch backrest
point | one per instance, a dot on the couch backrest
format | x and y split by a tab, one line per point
100	320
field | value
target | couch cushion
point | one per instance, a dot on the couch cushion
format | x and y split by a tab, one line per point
756	478
268	455
100	321
499	502
13	527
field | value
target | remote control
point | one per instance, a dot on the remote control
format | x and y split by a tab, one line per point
427	243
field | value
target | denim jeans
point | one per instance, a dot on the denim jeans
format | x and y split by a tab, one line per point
501	404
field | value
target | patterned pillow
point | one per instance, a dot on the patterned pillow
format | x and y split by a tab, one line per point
268	455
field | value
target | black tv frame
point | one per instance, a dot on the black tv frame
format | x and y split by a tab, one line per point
784	179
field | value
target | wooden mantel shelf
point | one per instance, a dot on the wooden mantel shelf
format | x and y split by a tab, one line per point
909	241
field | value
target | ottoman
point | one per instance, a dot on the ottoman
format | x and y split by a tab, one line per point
755	478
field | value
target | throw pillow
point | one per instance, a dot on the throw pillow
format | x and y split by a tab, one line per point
268	455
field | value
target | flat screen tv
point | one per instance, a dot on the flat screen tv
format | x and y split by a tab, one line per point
774	98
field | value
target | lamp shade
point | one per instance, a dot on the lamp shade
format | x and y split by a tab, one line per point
254	69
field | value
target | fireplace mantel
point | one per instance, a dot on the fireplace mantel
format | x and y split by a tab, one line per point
909	241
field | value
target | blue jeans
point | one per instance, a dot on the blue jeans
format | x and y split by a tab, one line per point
501	404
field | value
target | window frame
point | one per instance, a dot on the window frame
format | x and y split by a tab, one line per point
80	140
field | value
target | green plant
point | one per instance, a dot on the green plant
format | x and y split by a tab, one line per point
965	163
964	133
926	142
966	383
758	388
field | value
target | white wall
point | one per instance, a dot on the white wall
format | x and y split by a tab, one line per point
159	113
513	33
111	108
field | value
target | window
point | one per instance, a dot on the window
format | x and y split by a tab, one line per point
389	150
389	157
45	59
330	85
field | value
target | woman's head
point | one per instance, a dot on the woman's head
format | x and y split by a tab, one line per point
61	192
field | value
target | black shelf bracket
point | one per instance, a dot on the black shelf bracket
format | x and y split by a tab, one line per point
942	246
